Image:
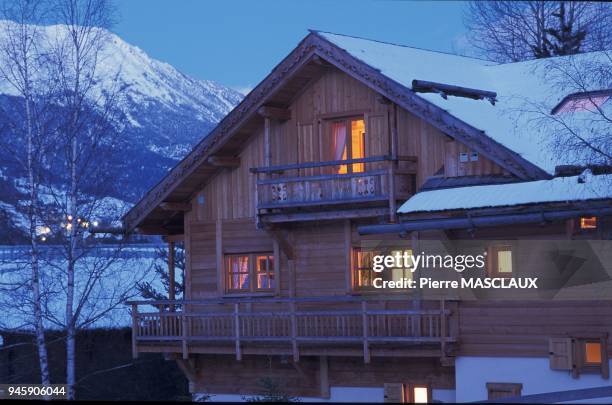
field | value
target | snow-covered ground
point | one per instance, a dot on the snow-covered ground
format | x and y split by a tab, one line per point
121	272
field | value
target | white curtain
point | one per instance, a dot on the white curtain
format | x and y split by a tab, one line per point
339	132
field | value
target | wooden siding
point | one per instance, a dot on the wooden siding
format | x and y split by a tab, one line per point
306	138
437	152
522	328
223	374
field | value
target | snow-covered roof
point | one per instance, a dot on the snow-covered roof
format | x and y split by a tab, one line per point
560	189
519	86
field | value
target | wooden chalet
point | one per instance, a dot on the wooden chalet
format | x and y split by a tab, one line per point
348	147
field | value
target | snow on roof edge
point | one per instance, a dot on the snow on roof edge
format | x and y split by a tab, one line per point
560	189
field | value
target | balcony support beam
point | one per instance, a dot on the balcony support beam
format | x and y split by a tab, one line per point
175	206
365	325
277	113
171	278
224	161
324	376
283	241
267	146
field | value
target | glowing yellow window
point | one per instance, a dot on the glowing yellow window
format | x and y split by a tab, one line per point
348	146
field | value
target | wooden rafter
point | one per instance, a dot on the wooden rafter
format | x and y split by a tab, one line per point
223	161
277	113
175	206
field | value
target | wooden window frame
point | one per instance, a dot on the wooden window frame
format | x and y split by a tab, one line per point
355	289
492	260
252	273
580	364
513	389
572	356
409	392
588	228
347	120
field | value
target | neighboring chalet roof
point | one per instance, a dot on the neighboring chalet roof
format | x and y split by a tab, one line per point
558	190
386	68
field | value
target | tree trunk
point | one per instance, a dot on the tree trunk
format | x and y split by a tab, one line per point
70	316
43	359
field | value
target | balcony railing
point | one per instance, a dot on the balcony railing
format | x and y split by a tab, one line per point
315	183
289	323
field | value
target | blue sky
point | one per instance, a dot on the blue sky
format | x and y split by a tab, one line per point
237	42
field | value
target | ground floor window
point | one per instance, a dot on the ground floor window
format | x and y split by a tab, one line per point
249	272
407	393
503	390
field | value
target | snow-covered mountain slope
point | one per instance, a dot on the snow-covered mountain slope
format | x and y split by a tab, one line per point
165	113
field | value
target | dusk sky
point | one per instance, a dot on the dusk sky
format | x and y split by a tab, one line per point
237	42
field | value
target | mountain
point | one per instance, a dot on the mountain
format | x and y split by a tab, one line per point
165	112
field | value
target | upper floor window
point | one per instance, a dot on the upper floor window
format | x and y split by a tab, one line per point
362	266
499	262
584	101
348	142
249	272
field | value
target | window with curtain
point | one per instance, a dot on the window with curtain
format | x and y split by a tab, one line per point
249	272
364	275
348	142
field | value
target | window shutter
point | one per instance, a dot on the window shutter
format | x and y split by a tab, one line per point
560	353
394	392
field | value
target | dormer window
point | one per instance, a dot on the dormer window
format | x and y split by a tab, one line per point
584	101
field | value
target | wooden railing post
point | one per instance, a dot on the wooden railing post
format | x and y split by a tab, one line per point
364	319
134	331
185	331
161	330
392	201
257	221
296	354
443	328
237	330
171	275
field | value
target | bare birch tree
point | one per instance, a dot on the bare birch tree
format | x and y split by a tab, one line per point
580	128
512	31
21	70
89	121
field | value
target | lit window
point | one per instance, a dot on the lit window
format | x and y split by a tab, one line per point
420	394
364	274
592	353
588	222
265	272
463	157
238	273
242	269
500	261
352	148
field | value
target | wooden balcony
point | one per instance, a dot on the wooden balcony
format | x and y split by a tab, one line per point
343	326
299	191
